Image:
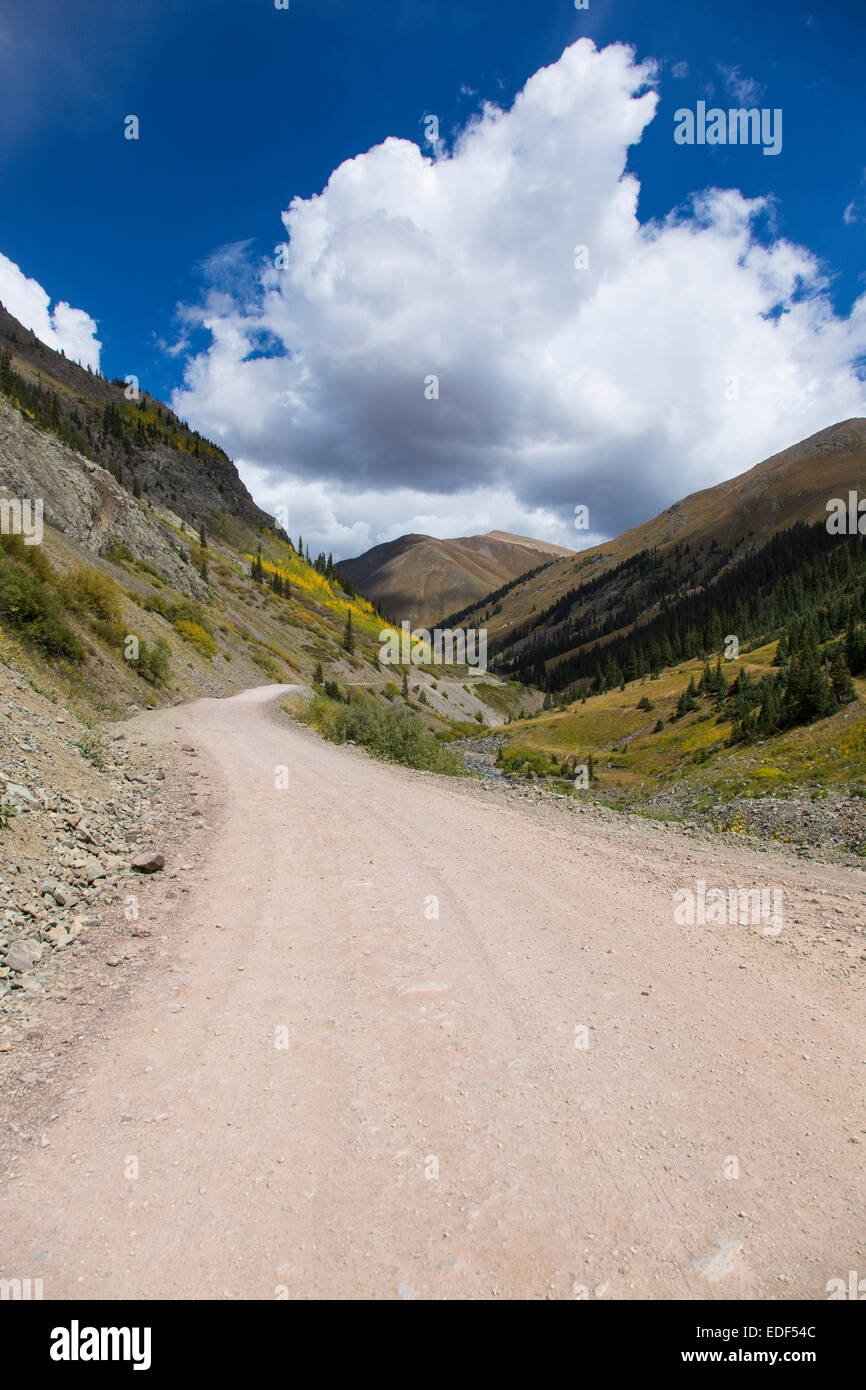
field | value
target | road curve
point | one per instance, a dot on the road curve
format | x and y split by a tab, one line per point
415	1038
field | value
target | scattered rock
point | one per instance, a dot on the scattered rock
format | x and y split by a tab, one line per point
23	955
148	862
22	798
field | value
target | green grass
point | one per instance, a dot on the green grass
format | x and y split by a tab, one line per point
92	748
694	750
518	758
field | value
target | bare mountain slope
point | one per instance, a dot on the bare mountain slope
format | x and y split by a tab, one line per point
422	579
739	515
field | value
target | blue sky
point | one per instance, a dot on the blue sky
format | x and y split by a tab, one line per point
244	107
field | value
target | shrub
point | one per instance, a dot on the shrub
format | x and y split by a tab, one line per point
188	611
390	733
29	601
90	591
92	748
151	570
112	634
182	610
515	757
153	661
155	603
119	554
266	663
197	637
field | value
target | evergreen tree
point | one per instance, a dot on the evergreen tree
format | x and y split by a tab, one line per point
840	679
808	694
348	635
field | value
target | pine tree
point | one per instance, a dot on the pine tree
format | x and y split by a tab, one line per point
318	674
809	695
202	537
840	679
348	635
713	633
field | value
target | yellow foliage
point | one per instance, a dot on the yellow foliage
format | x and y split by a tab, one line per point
196	636
304	577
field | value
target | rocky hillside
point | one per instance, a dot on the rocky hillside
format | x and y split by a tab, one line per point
422	579
142	442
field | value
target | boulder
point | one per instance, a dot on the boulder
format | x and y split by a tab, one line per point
22	956
21	797
148	862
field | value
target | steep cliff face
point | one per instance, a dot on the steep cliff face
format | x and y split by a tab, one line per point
85	503
141	442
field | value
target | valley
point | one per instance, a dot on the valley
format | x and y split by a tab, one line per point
329	975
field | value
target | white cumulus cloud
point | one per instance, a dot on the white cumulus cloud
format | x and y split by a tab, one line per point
61	327
684	352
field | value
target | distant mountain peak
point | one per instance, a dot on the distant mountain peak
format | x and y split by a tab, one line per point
422	578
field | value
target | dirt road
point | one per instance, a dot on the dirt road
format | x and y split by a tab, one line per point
549	1089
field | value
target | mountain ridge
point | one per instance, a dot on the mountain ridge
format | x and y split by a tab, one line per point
422	578
736	516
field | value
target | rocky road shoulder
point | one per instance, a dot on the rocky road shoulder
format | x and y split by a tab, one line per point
101	830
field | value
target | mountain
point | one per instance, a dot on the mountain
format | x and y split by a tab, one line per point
619	585
142	443
422	579
158	578
711	662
